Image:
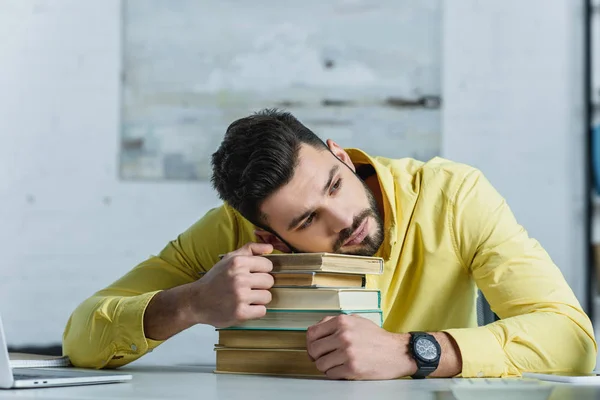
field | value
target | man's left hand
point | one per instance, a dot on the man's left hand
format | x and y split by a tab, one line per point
353	347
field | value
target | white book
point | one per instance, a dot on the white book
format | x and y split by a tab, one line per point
27	360
324	299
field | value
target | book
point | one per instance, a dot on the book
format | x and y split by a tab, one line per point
265	362
313	279
27	360
301	319
324	299
262	339
326	262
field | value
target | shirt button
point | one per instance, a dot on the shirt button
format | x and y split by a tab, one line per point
133	347
480	374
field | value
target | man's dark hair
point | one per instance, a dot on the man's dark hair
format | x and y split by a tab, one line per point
257	157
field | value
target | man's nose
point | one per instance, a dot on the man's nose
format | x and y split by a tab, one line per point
340	219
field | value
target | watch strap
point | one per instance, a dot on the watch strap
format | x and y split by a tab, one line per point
423	371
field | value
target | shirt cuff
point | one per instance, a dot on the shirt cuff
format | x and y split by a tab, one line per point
481	352
132	342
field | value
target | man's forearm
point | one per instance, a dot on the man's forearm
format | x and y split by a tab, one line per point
169	312
451	360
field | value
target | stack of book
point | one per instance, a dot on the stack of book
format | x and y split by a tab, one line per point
307	288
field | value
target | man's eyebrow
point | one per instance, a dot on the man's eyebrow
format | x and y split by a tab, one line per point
332	173
297	220
304	215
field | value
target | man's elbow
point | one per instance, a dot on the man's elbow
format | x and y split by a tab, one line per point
86	357
79	345
589	352
580	356
79	353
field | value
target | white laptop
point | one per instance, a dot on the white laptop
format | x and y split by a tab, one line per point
41	377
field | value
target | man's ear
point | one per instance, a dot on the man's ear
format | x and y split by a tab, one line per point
268	237
340	153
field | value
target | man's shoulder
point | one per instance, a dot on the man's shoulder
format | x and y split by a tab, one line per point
448	169
437	170
220	230
223	216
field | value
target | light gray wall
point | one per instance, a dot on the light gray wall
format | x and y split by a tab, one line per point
513	106
69	226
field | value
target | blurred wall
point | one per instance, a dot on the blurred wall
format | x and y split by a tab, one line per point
514	106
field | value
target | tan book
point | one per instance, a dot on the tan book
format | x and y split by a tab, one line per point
266	362
300	320
312	279
262	339
326	262
324	299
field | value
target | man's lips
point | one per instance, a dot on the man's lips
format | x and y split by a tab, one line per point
358	236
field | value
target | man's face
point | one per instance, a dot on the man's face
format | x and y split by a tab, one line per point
325	208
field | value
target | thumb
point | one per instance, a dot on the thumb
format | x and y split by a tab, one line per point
325	319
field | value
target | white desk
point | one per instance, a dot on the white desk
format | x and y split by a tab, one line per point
200	383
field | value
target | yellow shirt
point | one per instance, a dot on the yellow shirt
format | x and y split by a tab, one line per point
447	232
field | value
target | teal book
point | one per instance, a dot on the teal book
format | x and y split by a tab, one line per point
300	320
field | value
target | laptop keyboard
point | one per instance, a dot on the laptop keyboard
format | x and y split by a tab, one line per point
29	376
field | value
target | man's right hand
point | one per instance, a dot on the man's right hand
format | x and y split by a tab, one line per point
236	288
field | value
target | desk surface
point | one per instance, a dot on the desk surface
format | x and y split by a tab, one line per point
199	382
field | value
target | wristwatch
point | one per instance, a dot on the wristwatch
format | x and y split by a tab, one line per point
426	351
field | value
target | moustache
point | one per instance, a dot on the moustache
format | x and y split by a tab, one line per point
346	233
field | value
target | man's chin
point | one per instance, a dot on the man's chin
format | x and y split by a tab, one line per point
368	247
358	250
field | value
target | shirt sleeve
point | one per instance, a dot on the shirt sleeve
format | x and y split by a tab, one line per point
543	327
107	329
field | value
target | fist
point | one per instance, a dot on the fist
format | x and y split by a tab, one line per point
236	289
352	347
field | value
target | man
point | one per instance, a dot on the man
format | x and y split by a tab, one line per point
440	226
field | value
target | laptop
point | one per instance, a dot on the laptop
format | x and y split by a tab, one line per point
44	377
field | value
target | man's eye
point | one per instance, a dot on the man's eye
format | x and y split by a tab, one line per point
336	185
308	221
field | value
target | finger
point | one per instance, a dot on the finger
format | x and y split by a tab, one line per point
257	249
339	372
319	348
251	249
259	264
254	312
260	297
251	263
330	360
324	319
261	280
321	329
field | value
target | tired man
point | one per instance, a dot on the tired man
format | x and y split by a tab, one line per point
441	228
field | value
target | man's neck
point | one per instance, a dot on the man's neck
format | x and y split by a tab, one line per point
368	174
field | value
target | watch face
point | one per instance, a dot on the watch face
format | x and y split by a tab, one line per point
426	349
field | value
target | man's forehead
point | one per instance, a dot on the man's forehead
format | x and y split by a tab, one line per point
310	179
312	169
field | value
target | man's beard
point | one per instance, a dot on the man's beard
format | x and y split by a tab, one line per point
371	242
